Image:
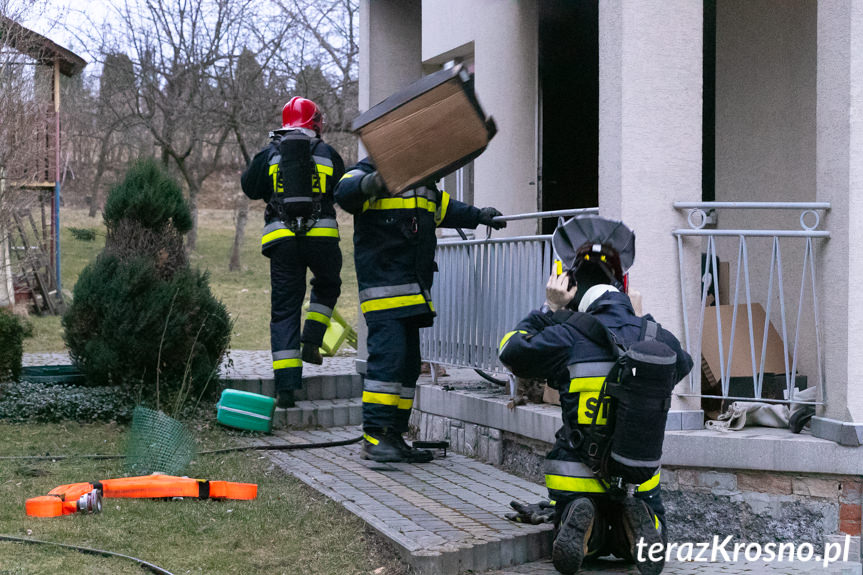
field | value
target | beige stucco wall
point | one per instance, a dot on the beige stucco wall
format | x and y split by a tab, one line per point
766	144
503	37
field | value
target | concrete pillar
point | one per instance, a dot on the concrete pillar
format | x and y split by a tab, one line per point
390	59
506	52
840	182
650	109
390	44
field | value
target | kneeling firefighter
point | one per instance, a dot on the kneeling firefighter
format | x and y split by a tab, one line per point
296	174
394	250
615	372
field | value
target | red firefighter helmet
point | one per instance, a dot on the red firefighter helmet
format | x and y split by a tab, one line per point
302	113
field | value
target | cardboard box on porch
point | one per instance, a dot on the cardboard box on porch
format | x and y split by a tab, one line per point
741	382
427	130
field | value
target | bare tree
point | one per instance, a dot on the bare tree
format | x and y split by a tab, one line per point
178	48
325	63
251	105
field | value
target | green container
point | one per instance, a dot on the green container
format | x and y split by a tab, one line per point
67	374
246	410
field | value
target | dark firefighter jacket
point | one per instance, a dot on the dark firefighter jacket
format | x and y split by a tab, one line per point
394	244
262	175
544	345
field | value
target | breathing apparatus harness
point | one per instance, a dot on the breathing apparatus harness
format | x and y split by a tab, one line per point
296	196
626	450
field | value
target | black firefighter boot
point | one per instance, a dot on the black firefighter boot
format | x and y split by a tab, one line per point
285	398
643	527
389	447
312	354
570	545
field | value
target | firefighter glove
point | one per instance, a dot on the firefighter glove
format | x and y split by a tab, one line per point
487	215
534	513
558	292
372	184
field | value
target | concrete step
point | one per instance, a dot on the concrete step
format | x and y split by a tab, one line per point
315	387
320	413
442	517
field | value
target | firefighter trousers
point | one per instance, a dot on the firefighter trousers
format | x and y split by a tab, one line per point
391	374
567	478
289	261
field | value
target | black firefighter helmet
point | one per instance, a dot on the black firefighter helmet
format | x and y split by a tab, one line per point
595	250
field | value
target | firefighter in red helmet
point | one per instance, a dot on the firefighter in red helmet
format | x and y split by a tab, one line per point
296	174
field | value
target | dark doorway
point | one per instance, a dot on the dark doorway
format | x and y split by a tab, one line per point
569	87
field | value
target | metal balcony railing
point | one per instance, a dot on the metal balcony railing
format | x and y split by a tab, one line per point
483	289
743	296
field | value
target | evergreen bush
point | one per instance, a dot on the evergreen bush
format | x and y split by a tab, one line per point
147	215
149	196
13	330
139	317
53	403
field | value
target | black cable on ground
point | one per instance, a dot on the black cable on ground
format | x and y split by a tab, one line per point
490	378
101	552
263	447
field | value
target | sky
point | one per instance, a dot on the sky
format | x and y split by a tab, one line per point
66	22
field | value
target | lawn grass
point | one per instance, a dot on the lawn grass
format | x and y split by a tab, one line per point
289	529
245	293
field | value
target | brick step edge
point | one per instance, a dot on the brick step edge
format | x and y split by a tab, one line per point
320	413
479	557
315	387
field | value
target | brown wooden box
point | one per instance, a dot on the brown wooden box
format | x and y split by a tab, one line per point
428	130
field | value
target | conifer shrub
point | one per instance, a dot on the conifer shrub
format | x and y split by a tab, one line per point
13	330
147	215
140	315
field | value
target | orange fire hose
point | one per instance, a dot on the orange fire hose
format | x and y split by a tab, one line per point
87	497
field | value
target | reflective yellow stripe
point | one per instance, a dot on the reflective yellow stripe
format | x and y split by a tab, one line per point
283	363
579	384
651	483
576	484
431	305
405	403
588	403
323	232
285	233
656	522
392	302
327	170
319	317
380	398
274	172
400	204
346	176
505	339
370	439
444	204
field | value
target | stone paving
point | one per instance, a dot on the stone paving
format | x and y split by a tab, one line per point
613	567
443	517
240	364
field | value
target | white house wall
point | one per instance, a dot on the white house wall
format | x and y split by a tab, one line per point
504	40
